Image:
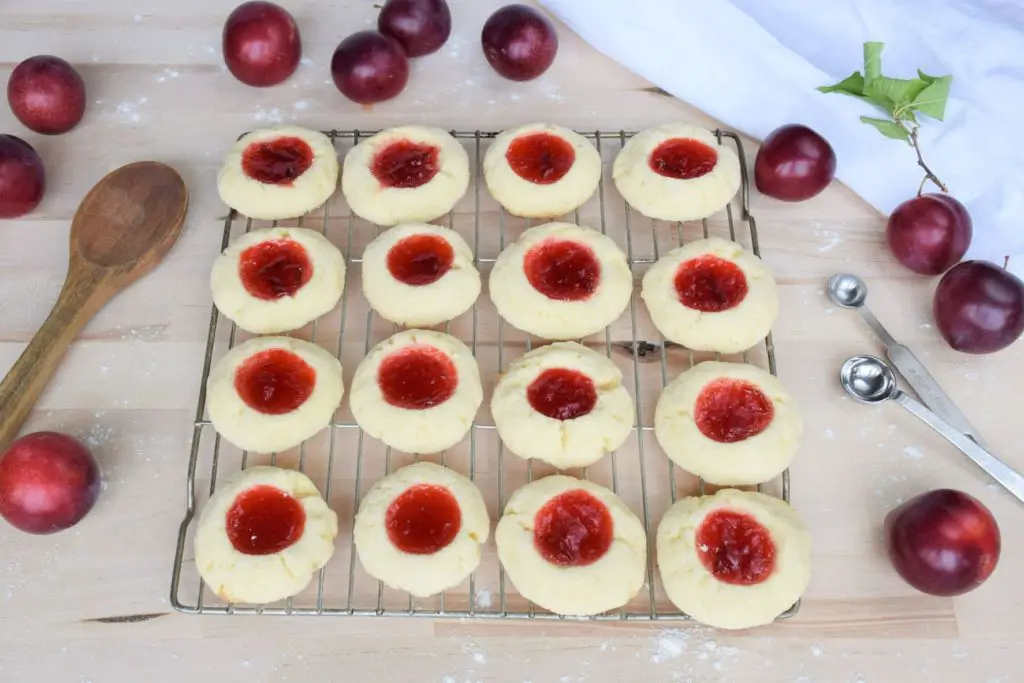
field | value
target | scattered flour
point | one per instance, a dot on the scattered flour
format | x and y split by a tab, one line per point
552	91
471	649
98	435
829	434
455	45
306	61
137	18
816	651
912	453
669	644
129	110
167	73
449	679
301	105
484	598
692	644
830	239
262	115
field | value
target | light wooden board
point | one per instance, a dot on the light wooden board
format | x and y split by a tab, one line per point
158	90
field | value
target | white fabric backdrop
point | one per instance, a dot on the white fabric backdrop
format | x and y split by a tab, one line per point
755	64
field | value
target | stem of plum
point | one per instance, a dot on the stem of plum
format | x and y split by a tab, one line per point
920	188
1006	262
912	133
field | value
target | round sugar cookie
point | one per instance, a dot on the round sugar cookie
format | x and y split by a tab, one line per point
541	170
735	559
564	404
561	281
418	275
263	535
270	394
730	423
571	546
676	172
277	279
405	174
417	391
711	295
420	529
280	172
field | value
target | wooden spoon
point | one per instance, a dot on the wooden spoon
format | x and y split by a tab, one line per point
121	231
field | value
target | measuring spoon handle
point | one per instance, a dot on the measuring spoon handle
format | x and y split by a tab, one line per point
876	327
920	380
1009	478
927	387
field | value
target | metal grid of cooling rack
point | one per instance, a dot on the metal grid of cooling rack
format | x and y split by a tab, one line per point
639	471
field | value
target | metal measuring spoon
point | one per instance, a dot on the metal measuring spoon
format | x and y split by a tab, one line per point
849	291
871	380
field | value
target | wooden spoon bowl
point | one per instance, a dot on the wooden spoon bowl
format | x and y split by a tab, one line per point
121	231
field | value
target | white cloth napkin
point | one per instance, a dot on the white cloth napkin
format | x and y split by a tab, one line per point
755	64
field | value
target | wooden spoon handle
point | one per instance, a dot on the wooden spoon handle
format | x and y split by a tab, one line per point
81	297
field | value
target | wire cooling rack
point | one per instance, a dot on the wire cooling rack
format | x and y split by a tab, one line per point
345	463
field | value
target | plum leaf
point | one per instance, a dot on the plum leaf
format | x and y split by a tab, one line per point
932	100
872	60
889	129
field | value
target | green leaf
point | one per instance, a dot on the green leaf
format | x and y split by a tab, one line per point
906	114
893	93
889	129
872	60
932	100
851	85
925	77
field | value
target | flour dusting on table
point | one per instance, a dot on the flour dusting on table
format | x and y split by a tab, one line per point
484	598
263	115
692	645
912	453
829	239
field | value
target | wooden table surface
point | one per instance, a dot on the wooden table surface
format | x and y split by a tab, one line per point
158	90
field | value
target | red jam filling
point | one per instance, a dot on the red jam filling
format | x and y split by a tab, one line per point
710	284
274	269
420	259
573	529
417	377
405	164
563	270
424	519
730	410
540	158
683	159
264	520
277	162
735	548
562	394
275	381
